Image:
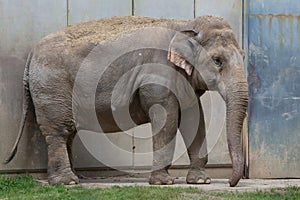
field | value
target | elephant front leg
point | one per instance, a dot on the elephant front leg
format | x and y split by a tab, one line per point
59	167
164	121
195	141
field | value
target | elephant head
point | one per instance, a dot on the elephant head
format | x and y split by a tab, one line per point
212	58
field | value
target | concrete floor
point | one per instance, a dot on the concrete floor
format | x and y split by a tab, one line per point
217	185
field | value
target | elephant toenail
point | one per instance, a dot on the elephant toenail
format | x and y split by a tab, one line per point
200	181
156	183
208	181
72	183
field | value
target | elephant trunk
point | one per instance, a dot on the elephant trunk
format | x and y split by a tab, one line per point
236	103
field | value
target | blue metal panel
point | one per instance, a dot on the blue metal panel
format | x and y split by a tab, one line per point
274	88
281	7
80	11
176	9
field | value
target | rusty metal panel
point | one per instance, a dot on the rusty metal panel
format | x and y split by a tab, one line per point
274	88
22	24
80	11
175	9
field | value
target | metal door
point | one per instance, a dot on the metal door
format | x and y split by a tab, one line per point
274	88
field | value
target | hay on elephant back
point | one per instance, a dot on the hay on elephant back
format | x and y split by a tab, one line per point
98	31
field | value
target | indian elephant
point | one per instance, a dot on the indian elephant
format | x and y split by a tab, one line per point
116	73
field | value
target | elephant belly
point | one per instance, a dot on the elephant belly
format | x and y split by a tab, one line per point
116	118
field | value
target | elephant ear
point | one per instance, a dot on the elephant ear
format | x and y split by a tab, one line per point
182	49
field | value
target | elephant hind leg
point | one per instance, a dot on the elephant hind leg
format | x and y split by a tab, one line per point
59	136
69	149
59	165
53	108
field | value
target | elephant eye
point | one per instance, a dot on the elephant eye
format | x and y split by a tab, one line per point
218	62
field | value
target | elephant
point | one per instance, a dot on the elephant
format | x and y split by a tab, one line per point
116	73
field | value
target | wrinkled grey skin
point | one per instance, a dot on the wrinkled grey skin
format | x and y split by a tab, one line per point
215	62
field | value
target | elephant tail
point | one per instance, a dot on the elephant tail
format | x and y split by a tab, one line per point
26	99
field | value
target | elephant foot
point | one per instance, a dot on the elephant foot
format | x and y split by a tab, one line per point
68	178
197	176
160	177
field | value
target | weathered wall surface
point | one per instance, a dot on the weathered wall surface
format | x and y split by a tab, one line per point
23	23
274	82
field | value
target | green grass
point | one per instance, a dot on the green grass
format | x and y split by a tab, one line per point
25	187
274	194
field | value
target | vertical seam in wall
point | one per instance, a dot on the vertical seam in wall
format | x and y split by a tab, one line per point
243	23
68	12
245	47
132	7
132	137
245	34
244	146
133	149
194	9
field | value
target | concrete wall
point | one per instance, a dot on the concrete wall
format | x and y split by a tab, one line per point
23	23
